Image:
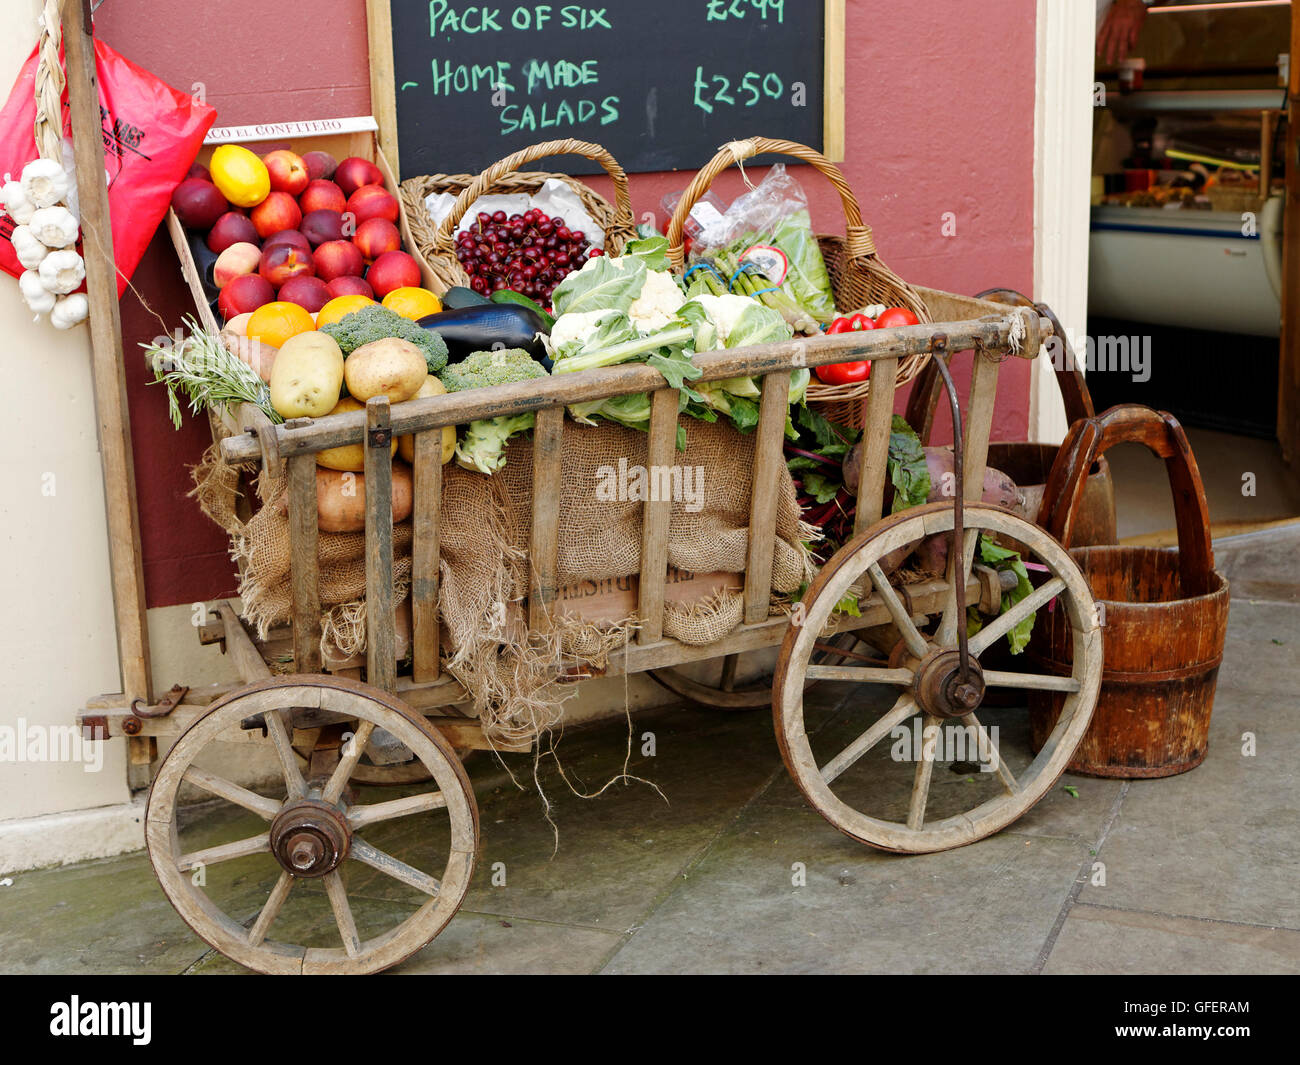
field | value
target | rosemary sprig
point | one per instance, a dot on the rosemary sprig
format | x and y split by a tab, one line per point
207	373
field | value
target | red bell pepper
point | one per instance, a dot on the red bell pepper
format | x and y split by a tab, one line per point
847	373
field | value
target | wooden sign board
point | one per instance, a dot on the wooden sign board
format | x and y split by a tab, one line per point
457	86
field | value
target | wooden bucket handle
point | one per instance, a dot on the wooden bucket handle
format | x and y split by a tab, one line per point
1159	431
444	240
859	243
1070	379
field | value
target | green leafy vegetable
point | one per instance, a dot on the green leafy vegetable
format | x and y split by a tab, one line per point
1001	558
807	280
484	443
908	471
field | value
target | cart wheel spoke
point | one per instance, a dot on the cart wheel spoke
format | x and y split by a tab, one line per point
310	837
990	755
729	664
271	910
911	635
361	816
861	674
241	848
293	782
342	914
1004	623
232	792
347	762
947	634
398	870
904	708
924	771
1048	682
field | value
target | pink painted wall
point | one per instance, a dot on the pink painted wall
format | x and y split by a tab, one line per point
940	118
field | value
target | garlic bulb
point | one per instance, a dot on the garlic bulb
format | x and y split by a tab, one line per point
44	182
38	298
70	310
29	250
17	205
54	226
62	271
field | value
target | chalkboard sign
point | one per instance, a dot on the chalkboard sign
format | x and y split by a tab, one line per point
660	83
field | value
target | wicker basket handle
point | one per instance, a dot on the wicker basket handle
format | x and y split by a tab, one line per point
926	391
1160	432
858	244
623	223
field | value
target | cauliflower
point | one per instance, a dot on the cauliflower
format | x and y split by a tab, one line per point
658	302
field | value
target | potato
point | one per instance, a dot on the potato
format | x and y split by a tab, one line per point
389	367
250	350
406	444
348	456
307	376
341	498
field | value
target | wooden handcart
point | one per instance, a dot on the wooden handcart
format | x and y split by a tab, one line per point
908	642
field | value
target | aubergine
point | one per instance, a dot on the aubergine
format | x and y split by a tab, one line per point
470	329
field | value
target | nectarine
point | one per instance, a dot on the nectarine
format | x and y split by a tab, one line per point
320	165
281	262
373	201
244	294
338	258
198	203
376	237
236	261
350	286
392	270
287	236
354	172
321	195
309	293
321	226
287	171
231	228
279	211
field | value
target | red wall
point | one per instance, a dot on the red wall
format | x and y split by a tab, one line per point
940	118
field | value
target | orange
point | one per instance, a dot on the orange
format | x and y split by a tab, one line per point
274	323
338	307
413	303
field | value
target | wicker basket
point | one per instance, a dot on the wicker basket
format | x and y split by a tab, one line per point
437	243
858	277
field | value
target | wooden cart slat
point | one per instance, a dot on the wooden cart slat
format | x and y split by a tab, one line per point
547	479
424	554
875	444
660	450
768	461
381	646
304	564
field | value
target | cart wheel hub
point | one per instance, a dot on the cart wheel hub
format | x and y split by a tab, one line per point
310	838
940	689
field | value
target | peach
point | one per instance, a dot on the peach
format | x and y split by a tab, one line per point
287	236
338	258
198	203
231	228
244	294
309	293
236	261
376	237
287	170
277	212
350	286
321	195
393	270
373	201
354	172
320	165
321	226
281	262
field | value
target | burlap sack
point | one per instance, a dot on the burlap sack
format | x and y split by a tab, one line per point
485	531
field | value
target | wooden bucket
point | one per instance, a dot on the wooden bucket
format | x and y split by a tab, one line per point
1164	613
858	277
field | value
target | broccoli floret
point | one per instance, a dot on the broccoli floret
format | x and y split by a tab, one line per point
484	445
375	323
483	369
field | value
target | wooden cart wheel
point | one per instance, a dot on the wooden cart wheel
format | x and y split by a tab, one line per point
922	679
725	696
314	829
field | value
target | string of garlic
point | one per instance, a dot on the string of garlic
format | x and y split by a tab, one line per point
44	240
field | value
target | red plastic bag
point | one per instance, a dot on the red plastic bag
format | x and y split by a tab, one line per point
152	135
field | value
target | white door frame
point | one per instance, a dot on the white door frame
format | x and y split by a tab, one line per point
1063	113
